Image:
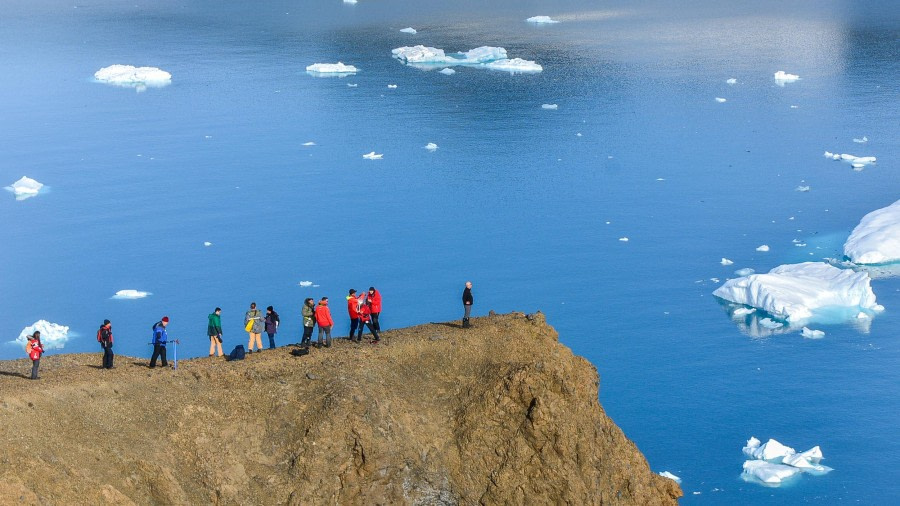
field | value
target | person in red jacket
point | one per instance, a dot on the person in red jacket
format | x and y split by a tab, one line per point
353	311
323	318
365	318
374	302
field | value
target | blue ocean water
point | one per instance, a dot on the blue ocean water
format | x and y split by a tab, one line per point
514	199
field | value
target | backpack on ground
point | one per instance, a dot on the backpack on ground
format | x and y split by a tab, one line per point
299	352
237	353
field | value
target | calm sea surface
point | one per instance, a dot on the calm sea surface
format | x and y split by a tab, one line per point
530	204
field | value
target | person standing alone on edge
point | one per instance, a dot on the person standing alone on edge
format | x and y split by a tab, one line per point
468	300
374	302
323	318
253	324
34	349
353	311
309	321
272	322
105	337
214	331
160	339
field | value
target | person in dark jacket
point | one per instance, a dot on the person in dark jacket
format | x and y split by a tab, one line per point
105	336
160	338
353	311
309	321
374	302
272	323
467	300
214	331
35	349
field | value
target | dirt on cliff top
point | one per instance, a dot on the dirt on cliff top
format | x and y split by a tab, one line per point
500	413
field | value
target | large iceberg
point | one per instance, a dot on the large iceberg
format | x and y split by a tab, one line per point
876	240
331	69
53	335
130	76
774	462
25	188
798	292
485	56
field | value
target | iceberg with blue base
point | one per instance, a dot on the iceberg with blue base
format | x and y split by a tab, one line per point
774	462
25	188
53	335
876	240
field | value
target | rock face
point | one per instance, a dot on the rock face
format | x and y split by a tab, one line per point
497	414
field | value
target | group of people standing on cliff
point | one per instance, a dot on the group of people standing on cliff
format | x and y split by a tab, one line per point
364	311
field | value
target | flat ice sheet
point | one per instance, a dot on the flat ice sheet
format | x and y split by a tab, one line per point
133	77
338	68
135	294
876	239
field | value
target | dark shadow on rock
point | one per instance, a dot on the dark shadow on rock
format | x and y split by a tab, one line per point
449	324
15	374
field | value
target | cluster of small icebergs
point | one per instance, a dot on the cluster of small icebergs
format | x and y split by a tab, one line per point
25	188
129	76
857	162
53	335
338	69
494	58
771	463
132	294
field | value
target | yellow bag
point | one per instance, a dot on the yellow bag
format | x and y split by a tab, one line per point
249	326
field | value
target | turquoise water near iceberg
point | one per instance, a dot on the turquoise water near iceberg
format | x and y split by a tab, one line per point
513	199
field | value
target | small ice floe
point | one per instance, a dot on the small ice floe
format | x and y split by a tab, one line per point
310	143
802	188
352	2
25	188
131	294
797	293
431	146
770	323
763	248
774	462
795	107
352	85
129	76
721	100
373	156
623	239
812	334
447	71
338	69
53	335
541	20
409	29
667	474
857	162
514	66
744	311
876	239
207	244
861	141
392	86
746	271
726	261
550	107
207	136
782	77
579	135
731	81
305	284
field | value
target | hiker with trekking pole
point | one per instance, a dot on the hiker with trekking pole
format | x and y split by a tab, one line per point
160	339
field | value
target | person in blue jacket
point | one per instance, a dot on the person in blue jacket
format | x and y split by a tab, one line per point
160	338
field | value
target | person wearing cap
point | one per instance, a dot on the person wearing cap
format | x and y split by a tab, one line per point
272	323
373	299
105	336
214	331
34	349
353	309
255	329
160	339
467	301
323	318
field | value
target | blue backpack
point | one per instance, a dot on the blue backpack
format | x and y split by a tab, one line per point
237	353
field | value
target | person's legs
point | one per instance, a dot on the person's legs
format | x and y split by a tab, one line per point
321	331
107	357
271	340
155	355
354	323
307	336
258	338
374	332
468	311
162	354
328	336
34	368
212	345
375	321
219	347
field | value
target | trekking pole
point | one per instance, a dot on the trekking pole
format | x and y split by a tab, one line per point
175	355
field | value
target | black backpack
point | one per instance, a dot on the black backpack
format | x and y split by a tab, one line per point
237	353
299	352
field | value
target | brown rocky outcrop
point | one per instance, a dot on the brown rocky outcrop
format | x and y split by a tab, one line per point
497	414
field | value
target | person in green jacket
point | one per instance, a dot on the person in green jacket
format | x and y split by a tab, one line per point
309	321
214	329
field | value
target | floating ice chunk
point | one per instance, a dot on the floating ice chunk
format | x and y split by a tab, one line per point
447	71
310	143
515	65
579	135
770	323
353	2
431	146
876	239
392	86
861	141
373	156
352	85
731	81
305	283
409	29
623	239
763	248
862	315
746	271
802	188
131	294
795	107
207	244
425	54
744	311
331	68
541	20
130	76
726	261
53	335
812	334
550	107
808	460
667	474
794	292
833	156
25	187
721	100
857	162
782	77
768	473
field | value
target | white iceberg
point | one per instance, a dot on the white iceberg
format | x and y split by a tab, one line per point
541	20
352	85
768	473
25	188
775	462
489	57
515	65
767	451
731	81
305	283
130	76
447	71
373	156
746	271
207	244
623	239
667	474
310	143
876	240
857	162
409	29
721	100
726	261
812	334
350	2
338	69
53	335
763	248
861	141
782	77
550	107
392	86
797	292
431	146
133	294
802	189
